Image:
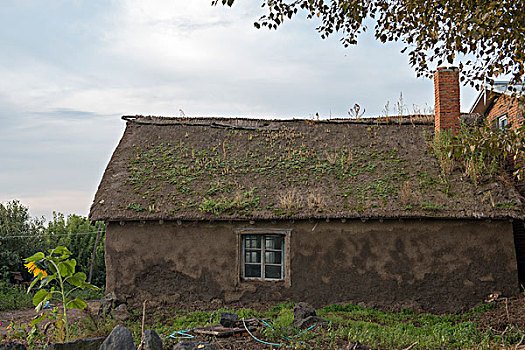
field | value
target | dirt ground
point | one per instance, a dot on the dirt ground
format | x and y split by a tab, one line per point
506	313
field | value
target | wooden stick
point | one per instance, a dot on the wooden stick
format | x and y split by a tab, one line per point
411	346
143	321
507	309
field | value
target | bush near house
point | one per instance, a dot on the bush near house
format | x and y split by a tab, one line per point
22	236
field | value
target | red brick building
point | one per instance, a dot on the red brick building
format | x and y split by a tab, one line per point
498	105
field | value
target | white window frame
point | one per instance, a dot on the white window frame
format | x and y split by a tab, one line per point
501	120
285	251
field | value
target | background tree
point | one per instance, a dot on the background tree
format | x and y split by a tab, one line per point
489	34
20	236
77	233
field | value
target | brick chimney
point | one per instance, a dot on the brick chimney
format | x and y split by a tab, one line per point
446	87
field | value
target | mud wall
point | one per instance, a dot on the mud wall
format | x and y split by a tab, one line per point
433	265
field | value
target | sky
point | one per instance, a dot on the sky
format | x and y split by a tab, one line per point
69	69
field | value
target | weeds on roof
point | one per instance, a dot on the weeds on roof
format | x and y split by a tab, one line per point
480	151
431	206
213	177
506	205
243	203
136	207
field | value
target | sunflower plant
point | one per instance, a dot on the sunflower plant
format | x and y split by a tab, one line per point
56	278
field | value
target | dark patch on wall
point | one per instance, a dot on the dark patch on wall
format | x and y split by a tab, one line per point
160	280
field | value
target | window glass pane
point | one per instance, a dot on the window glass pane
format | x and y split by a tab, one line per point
252	270
252	256
502	121
272	272
273	242
252	241
272	257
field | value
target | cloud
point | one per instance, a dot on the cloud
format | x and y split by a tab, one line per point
74	67
63	151
46	202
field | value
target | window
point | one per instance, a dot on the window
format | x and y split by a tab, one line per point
503	122
263	254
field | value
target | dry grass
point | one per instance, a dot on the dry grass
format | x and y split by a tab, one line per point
472	169
315	200
331	158
406	194
290	199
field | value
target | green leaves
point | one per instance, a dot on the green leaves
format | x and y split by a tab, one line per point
40	298
60	271
76	303
67	267
481	150
35	257
38	319
62	251
78	279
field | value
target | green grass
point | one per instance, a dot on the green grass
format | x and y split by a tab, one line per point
345	323
399	330
183	171
506	205
88	294
14	297
349	323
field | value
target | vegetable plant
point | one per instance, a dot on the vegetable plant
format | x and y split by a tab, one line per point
56	278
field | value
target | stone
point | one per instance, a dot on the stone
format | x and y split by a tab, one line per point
228	319
107	304
303	310
152	340
12	346
193	345
120	313
120	338
80	344
302	314
307	322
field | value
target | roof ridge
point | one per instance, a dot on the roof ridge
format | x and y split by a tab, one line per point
251	123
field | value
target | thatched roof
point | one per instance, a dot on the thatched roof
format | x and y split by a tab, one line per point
246	169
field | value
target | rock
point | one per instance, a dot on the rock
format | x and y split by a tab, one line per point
303	310
107	304
190	345
228	319
152	340
120	313
120	338
302	315
12	346
80	344
307	322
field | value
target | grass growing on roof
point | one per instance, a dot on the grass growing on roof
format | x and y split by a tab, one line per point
215	175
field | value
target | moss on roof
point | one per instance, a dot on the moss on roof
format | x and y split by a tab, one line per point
238	169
